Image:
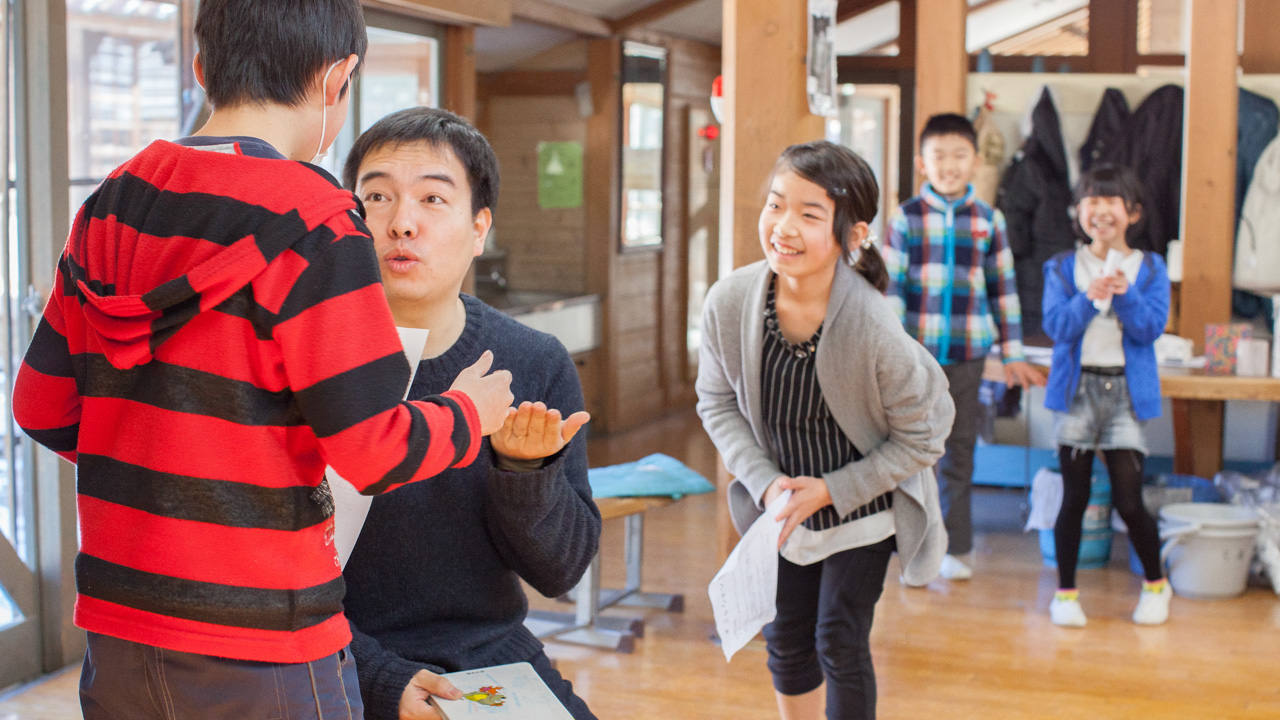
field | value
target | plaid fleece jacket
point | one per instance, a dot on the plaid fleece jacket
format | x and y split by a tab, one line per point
951	277
217	334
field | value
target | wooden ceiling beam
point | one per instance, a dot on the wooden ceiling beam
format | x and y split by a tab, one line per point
648	15
849	8
495	13
557	16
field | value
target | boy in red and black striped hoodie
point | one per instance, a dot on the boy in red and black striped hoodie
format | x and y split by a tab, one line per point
217	334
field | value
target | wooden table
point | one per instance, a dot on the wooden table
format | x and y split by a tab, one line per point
586	626
1199	408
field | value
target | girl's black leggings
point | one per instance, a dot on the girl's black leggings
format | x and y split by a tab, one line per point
1125	468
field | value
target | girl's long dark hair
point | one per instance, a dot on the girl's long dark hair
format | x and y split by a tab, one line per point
852	186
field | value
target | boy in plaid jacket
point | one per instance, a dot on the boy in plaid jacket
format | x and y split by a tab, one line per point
951	280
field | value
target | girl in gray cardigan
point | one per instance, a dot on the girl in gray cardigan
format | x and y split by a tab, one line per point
808	383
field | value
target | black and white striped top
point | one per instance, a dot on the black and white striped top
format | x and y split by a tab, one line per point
805	437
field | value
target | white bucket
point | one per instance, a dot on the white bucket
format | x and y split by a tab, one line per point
1208	547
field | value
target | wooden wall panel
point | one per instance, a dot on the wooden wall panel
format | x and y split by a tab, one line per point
691	68
546	249
1261	36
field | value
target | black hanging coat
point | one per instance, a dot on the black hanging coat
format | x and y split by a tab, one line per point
1106	142
1155	154
1035	197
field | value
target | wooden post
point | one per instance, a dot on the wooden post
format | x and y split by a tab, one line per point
1113	36
460	70
1209	175
766	108
602	175
942	64
1261	37
1208	204
460	92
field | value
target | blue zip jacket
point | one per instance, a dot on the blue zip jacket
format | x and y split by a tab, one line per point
1143	312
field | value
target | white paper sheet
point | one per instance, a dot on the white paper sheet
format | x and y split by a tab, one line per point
744	593
1109	268
505	691
350	507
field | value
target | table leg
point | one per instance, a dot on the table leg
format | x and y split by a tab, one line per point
1197	436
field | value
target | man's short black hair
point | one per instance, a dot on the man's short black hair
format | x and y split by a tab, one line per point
439	129
949	124
259	51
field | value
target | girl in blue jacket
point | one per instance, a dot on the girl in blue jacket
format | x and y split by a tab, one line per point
1104	383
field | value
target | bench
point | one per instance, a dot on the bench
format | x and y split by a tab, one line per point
586	626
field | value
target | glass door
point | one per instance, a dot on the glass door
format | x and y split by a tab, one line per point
19	597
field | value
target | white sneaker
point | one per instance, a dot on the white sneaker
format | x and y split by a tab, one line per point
1153	606
1067	613
954	569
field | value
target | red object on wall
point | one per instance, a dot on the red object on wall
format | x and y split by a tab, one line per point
717	97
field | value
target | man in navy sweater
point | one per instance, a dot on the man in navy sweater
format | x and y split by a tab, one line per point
433	584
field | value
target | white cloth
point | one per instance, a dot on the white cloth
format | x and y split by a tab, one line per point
1046	500
806	547
1101	346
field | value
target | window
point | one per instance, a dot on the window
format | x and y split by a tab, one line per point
124	80
401	70
644	72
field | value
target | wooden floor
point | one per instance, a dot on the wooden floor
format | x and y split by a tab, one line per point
982	650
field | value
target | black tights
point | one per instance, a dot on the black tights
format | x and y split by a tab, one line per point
1125	468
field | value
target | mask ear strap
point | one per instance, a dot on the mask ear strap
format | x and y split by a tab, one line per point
324	113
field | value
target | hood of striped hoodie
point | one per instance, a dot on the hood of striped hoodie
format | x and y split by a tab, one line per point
177	230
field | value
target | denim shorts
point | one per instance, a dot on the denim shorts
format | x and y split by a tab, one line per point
1101	416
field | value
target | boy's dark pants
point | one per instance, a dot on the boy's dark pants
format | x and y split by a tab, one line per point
955	469
124	680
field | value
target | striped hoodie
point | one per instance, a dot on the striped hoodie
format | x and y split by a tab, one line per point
217	334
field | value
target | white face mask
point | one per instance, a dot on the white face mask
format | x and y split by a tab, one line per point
321	151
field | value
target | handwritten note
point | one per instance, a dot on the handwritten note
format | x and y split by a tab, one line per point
744	593
350	507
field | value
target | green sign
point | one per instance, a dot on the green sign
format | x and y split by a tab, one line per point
559	175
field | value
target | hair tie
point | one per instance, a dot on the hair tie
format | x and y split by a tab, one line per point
869	241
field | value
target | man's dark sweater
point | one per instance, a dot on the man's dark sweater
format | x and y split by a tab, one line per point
434	581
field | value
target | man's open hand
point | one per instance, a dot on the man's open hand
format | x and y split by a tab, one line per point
533	432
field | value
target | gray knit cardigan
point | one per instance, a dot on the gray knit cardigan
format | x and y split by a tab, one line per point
886	392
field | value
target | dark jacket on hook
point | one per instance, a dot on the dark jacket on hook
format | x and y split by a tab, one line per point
1035	196
1106	141
1155	139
